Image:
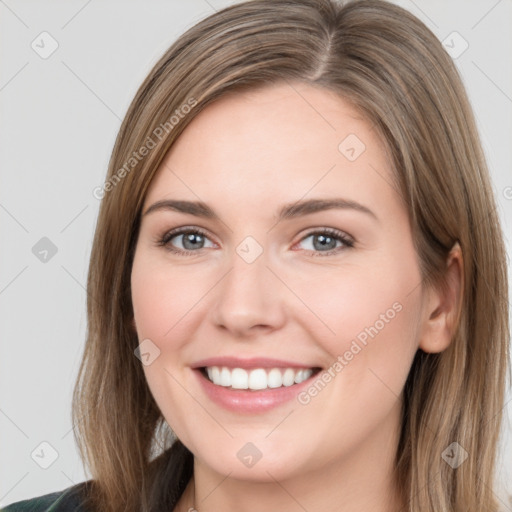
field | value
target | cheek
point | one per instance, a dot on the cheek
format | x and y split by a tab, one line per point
360	303
374	316
163	299
367	318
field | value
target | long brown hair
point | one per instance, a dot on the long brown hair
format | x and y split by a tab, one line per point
387	64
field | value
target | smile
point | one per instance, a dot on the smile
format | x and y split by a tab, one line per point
257	378
252	385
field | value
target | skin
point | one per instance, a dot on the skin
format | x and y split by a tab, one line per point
246	155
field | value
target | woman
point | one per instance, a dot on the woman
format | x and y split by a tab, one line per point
254	375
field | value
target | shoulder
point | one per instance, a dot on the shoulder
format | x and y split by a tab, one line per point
66	500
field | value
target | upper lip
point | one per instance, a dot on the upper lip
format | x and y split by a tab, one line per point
250	363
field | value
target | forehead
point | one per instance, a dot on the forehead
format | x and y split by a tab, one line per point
280	142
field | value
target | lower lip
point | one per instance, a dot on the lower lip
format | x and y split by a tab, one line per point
246	401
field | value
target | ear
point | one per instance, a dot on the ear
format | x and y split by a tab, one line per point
443	306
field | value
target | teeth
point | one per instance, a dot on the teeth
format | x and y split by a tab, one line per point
257	379
224	378
274	378
288	377
239	378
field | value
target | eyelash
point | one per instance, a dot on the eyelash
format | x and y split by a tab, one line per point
333	233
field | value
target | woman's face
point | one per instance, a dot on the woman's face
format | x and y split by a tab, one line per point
264	296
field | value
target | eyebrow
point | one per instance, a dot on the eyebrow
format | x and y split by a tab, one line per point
288	211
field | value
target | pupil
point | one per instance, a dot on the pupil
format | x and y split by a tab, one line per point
190	239
324	241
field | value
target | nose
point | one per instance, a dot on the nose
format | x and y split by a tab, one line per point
249	298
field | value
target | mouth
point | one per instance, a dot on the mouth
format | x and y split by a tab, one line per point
257	379
252	385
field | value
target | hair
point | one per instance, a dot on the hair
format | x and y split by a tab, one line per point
391	67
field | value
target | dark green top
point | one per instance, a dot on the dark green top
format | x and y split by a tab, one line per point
67	500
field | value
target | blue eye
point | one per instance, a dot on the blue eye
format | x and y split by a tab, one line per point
193	240
328	238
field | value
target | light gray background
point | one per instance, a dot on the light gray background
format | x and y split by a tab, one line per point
60	118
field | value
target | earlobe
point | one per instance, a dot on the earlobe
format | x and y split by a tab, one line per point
444	306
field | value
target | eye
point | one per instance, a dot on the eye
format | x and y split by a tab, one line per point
328	238
192	240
